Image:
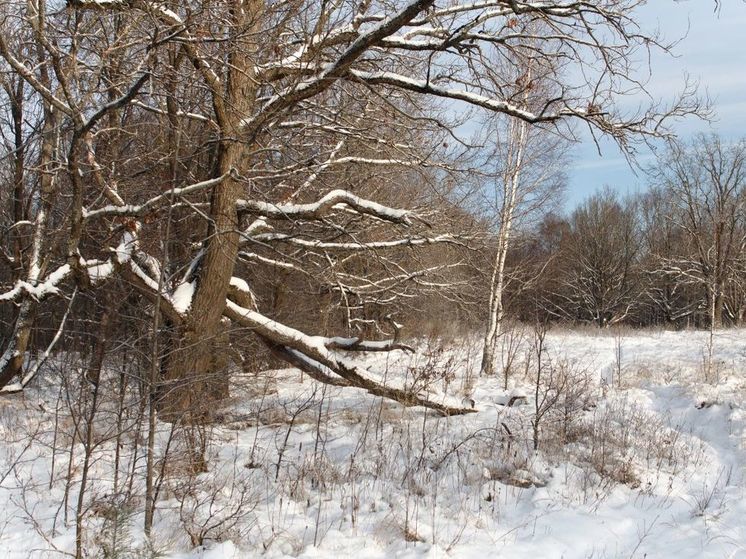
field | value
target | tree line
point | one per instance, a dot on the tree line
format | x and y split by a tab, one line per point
672	255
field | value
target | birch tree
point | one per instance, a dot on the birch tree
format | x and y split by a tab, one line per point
510	180
528	166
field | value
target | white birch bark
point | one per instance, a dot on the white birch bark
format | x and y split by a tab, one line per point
510	185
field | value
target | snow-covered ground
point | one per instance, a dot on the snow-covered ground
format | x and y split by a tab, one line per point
640	455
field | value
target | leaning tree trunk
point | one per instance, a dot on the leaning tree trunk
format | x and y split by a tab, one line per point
195	375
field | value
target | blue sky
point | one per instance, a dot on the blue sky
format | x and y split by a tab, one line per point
712	51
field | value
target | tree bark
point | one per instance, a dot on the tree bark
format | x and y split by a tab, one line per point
14	356
717	309
511	182
15	95
196	375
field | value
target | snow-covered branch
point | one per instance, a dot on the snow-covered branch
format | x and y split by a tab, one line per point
353	246
140	210
40	290
335	199
315	349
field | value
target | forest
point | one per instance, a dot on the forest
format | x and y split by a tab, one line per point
301	278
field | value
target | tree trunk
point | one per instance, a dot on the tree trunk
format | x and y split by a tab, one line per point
717	311
196	375
19	158
14	356
714	306
12	359
511	183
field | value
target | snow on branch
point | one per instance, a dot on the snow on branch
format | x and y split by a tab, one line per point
179	113
99	4
426	87
253	257
317	210
314	353
152	204
137	272
313	211
313	368
94	271
38	291
351	246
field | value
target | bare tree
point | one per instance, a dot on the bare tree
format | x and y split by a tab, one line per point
599	261
706	183
672	296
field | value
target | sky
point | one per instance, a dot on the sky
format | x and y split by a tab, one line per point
712	51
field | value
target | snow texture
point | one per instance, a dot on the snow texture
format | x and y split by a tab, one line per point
375	480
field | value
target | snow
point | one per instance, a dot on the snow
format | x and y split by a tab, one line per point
98	271
40	290
182	296
154	202
475	99
332	200
241	285
655	467
315	243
